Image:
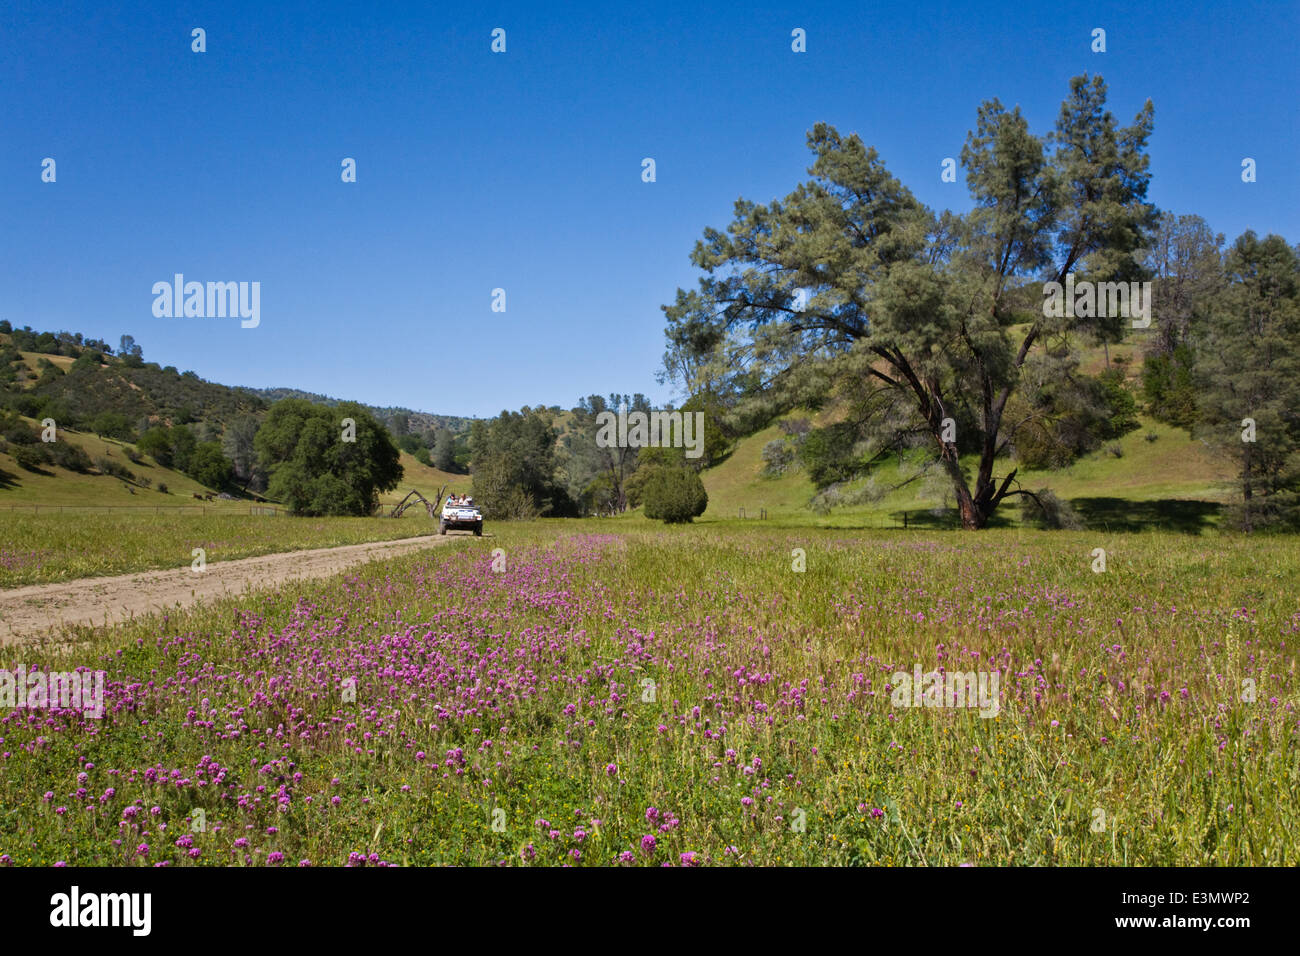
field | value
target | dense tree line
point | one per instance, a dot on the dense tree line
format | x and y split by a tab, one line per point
513	464
598	476
539	461
545	462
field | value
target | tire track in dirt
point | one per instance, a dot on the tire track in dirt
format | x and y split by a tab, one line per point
45	610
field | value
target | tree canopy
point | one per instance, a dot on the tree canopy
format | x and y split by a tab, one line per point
1247	375
513	465
313	470
930	319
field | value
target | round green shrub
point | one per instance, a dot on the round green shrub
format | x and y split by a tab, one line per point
674	495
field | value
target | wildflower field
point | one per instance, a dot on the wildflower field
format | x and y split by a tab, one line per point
687	697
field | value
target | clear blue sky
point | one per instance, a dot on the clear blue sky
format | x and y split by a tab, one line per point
523	170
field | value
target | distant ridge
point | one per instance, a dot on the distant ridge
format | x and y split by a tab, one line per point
417	420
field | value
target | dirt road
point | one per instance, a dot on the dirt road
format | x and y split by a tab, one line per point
46	609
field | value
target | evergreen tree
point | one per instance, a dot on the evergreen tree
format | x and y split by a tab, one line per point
444	450
850	277
1248	378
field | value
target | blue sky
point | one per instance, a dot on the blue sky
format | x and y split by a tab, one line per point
523	170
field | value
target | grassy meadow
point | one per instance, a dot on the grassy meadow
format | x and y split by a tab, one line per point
610	693
42	548
53	486
57	525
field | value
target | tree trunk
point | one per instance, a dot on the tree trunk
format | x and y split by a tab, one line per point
972	517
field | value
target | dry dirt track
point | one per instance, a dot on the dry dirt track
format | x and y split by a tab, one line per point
45	609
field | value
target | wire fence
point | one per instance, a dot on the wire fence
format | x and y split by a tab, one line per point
920	519
267	510
906	519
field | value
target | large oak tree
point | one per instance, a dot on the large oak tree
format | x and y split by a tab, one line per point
314	470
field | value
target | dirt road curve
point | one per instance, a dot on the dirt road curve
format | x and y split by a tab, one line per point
43	609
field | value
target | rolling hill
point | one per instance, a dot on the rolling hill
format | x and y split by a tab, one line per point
73	380
54	486
1155	475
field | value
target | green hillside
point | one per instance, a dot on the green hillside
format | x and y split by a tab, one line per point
425	480
76	389
1153	474
79	381
56	486
53	485
1167	476
1161	475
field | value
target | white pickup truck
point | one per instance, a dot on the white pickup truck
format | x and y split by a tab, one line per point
461	515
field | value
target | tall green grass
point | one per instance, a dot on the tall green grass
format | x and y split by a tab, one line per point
42	548
1126	734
